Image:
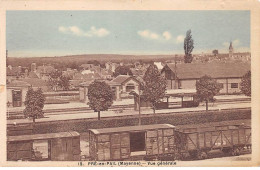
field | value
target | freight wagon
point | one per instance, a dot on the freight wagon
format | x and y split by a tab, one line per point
132	142
166	142
63	146
198	142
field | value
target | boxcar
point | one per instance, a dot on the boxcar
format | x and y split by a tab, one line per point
132	142
198	142
63	146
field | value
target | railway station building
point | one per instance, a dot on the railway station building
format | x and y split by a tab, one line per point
184	76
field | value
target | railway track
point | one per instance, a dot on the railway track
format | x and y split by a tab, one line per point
19	114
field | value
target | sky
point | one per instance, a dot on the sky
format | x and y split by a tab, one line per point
59	33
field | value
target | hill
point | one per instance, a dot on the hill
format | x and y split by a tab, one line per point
80	59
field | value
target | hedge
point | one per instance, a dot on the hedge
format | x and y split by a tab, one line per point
173	118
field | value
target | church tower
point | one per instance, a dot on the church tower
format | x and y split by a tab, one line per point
231	50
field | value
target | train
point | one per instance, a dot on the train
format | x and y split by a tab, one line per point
166	142
163	142
62	146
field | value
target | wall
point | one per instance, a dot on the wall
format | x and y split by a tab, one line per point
81	94
131	81
234	90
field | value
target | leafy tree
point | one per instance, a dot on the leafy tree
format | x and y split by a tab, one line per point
73	65
100	96
54	79
154	86
246	84
123	70
215	52
34	103
64	82
207	88
188	47
94	62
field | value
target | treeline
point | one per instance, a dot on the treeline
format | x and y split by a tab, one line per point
75	61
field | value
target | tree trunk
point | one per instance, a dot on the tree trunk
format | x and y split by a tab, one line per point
33	125
153	108
207	105
98	115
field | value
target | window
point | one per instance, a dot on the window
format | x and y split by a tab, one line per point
234	85
137	141
130	87
221	85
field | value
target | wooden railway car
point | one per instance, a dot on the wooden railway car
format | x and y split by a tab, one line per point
132	142
198	142
63	146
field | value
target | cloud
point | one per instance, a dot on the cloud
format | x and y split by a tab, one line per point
235	43
180	39
92	32
167	35
154	36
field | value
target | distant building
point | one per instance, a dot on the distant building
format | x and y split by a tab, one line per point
159	65
111	66
44	71
227	74
86	66
121	86
231	50
33	67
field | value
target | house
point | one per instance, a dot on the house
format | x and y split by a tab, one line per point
36	83
86	66
16	93
13	73
83	90
127	84
111	66
121	86
44	71
159	65
184	76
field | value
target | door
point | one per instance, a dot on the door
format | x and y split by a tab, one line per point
17	98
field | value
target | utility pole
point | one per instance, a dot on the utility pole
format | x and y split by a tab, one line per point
175	72
139	105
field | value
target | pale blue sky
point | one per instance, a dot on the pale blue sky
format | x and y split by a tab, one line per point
55	33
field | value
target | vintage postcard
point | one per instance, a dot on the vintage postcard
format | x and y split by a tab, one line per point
130	83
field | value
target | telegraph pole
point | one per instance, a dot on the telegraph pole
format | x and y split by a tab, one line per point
175	72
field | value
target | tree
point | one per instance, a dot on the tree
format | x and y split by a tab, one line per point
207	88
54	79
100	96
64	82
188	47
123	70
215	52
246	84
154	86
34	103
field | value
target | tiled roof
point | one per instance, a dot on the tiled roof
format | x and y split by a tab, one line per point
120	79
32	75
13	72
215	70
